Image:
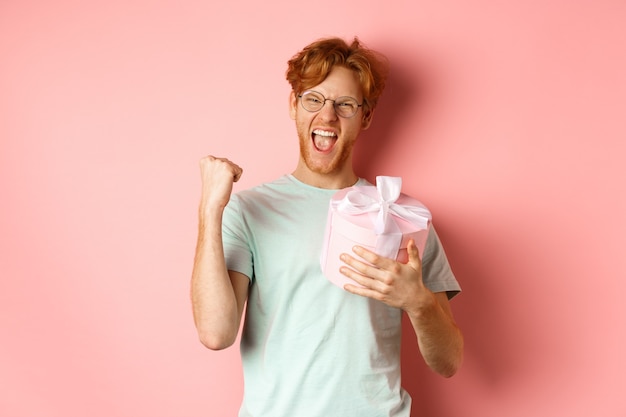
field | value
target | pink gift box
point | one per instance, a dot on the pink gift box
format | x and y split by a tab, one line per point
380	219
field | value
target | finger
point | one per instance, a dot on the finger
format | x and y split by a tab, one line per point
238	173
414	255
363	268
210	160
364	281
371	257
234	168
363	291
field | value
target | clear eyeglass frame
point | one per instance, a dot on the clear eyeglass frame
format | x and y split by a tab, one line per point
345	106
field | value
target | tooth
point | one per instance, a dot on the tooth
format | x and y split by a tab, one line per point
323	133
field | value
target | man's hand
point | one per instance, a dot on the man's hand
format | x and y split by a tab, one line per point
394	283
218	176
400	285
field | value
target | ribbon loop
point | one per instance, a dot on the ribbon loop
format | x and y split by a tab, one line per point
388	188
357	202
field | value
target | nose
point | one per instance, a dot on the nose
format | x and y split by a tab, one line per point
328	112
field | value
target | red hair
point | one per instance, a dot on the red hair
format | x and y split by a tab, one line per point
312	65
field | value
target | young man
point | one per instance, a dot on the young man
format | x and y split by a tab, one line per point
308	347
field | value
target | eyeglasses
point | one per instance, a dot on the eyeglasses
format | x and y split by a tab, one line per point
313	101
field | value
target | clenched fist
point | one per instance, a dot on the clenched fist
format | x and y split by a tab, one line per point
218	176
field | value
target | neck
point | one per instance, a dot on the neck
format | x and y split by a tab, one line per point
330	181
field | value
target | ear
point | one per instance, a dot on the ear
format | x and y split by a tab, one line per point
293	105
367	119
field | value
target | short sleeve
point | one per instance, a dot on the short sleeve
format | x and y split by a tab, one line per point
237	250
436	271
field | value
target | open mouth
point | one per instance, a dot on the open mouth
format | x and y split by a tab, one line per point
324	140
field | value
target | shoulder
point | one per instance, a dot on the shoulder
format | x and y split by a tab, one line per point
264	191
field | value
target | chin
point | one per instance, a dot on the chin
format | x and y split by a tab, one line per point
323	163
324	167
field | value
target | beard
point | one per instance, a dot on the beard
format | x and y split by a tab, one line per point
323	164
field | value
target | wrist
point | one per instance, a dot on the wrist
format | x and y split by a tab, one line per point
210	206
210	216
424	306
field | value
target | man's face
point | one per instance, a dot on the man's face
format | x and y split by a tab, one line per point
327	140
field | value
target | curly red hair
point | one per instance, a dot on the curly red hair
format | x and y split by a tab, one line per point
312	65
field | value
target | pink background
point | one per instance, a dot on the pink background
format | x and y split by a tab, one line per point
505	118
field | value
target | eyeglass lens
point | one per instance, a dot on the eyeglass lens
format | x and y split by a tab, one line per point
344	106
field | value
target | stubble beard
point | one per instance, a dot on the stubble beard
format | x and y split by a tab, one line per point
332	166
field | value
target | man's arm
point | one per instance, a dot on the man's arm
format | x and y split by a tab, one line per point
439	338
400	285
218	296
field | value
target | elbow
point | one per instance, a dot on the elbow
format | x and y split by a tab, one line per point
453	365
449	364
449	369
216	341
215	334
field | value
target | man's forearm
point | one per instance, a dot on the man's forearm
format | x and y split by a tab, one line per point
439	338
215	308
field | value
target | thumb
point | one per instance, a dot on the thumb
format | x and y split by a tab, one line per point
414	255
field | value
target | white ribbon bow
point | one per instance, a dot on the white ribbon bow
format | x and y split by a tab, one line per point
389	236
